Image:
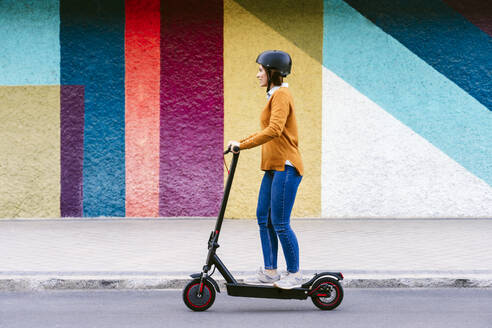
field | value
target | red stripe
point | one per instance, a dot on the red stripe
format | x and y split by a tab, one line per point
142	79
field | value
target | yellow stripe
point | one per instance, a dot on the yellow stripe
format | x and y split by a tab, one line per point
245	36
30	151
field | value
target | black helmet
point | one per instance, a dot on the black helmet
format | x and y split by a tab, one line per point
277	59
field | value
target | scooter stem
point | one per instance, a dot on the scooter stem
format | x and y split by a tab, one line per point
227	189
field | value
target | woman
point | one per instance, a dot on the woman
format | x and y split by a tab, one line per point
281	161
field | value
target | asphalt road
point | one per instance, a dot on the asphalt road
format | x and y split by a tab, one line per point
361	308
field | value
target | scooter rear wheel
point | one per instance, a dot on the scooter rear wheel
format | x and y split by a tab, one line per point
328	293
196	300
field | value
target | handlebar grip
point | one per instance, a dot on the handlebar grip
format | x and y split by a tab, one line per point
228	150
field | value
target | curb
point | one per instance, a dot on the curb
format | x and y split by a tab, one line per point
39	283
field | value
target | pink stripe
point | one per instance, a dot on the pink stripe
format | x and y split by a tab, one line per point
191	137
479	12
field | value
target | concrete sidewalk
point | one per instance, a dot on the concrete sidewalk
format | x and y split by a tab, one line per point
161	253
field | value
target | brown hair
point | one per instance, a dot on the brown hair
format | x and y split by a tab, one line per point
275	77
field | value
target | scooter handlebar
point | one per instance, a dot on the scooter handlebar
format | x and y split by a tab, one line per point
229	149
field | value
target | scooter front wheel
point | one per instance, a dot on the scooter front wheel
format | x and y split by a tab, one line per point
327	293
196	299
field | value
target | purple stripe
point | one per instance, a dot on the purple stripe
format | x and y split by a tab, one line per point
192	108
479	12
72	149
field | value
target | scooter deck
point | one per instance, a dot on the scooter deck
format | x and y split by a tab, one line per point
266	291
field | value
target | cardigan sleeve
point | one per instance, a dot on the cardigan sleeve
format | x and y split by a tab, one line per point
249	137
279	113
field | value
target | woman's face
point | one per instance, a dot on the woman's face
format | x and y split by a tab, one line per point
262	76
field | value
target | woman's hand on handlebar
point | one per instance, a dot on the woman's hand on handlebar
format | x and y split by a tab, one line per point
233	146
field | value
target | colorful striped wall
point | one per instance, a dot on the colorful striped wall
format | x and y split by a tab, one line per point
122	108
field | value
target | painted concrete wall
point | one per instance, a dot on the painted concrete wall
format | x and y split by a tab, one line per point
122	108
299	31
408	110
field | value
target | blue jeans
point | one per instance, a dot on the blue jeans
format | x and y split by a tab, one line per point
275	201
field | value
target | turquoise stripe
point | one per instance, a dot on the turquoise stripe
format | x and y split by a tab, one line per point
408	88
30	42
440	36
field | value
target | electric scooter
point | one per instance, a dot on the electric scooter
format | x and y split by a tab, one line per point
324	288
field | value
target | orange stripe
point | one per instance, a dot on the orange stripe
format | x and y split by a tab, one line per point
142	76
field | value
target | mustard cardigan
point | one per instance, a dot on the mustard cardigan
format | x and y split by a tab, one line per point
278	137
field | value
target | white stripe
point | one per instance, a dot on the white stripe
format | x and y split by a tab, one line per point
375	166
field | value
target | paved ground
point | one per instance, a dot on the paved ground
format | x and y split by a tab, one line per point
148	253
366	308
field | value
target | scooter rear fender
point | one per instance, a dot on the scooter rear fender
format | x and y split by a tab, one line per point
335	275
216	285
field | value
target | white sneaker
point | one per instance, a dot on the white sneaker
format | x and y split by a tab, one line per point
262	277
289	281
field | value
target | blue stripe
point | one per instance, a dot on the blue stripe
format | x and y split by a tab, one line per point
440	36
29	42
92	54
404	85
